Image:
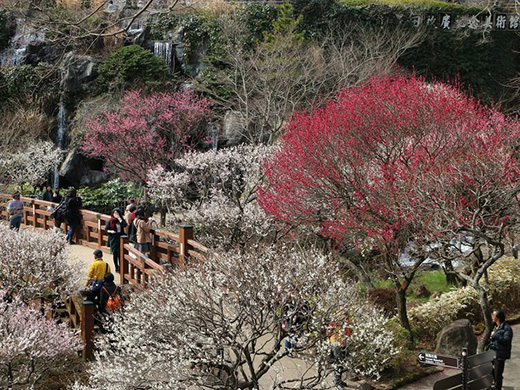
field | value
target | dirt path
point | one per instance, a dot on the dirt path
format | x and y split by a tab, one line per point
85	254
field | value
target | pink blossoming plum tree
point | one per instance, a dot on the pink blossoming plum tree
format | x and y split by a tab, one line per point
145	131
30	344
402	164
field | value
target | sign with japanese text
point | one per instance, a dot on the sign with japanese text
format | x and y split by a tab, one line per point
447	21
438	360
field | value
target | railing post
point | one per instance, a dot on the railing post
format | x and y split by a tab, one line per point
24	215
100	232
185	234
35	219
153	251
123	264
87	329
464	367
45	220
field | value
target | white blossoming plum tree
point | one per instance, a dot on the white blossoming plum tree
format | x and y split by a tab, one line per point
216	190
30	163
36	264
217	325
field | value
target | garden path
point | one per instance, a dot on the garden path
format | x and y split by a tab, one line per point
85	255
511	372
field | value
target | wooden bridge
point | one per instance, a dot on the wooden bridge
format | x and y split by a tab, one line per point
168	250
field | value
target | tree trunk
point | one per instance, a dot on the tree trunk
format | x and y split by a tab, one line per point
450	274
360	273
163	216
486	312
402	312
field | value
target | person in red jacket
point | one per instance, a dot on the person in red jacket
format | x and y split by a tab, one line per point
115	229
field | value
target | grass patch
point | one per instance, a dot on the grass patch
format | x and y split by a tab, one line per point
435	282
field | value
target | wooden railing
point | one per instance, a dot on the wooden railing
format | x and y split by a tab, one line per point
80	315
169	250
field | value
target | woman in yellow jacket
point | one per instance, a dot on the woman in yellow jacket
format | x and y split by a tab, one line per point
96	276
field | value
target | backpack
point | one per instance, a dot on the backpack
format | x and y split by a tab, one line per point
113	302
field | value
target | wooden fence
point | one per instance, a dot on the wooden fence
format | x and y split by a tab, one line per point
168	250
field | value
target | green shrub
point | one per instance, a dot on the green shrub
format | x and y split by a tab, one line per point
104	198
483	65
131	66
259	20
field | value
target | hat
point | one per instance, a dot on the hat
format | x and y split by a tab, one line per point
118	210
98	253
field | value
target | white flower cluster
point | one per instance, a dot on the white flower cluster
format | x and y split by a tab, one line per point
30	164
430	317
371	345
36	264
219	325
30	344
216	190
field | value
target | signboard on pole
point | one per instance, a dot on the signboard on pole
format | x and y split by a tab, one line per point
438	360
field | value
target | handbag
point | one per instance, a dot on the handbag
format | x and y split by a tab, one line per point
96	285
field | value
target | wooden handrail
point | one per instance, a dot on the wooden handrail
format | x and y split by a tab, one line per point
168	248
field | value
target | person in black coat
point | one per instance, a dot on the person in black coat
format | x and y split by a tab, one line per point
71	213
47	195
115	229
500	341
57	198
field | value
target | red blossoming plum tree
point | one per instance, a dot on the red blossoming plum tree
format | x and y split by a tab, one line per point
407	166
146	131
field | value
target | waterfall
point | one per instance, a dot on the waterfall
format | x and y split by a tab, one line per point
213	136
135	29
164	50
61	138
17	50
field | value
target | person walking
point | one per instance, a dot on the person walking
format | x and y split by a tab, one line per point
129	218
143	234
96	276
500	341
338	332
115	229
70	213
15	211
